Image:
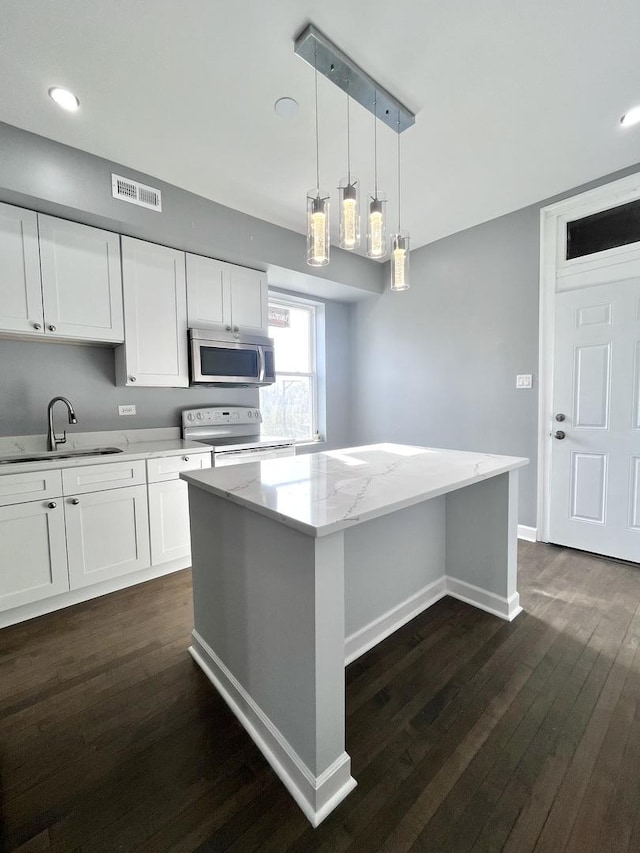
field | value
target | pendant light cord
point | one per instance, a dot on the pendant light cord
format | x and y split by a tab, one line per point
398	172
375	145
348	138
315	65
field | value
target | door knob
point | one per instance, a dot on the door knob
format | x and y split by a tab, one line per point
560	434
560	417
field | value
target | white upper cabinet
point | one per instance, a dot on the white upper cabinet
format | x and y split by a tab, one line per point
225	296
20	289
155	312
81	281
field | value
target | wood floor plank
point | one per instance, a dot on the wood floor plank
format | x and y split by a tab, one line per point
465	732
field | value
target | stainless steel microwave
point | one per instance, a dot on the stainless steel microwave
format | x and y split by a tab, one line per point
222	358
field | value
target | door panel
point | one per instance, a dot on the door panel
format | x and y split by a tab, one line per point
81	280
207	296
21	292
33	556
155	304
595	478
169	521
248	298
107	534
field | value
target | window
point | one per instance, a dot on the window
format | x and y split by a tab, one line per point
290	406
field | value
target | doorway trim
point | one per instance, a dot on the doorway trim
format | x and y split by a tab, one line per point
553	265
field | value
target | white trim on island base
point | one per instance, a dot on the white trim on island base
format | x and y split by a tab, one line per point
529	534
317	796
366	638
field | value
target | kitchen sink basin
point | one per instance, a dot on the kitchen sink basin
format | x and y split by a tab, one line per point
53	455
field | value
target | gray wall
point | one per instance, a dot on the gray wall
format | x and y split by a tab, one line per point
31	373
437	365
47	176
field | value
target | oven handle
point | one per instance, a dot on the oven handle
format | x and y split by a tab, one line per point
262	364
248	450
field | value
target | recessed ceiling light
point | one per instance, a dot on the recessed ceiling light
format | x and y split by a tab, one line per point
64	98
631	117
286	107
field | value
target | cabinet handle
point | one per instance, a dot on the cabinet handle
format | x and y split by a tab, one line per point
132	379
75	501
52	328
37	326
228	328
236	329
52	504
185	458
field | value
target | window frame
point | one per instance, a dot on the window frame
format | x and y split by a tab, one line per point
313	308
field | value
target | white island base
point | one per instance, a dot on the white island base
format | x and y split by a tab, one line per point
301	565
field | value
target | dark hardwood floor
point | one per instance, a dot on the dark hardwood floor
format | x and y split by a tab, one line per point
466	733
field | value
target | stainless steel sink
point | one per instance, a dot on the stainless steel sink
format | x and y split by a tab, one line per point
52	455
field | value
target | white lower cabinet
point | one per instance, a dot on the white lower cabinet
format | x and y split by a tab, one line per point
33	552
169	521
107	534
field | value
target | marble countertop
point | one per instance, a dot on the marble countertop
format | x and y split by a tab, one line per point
320	493
135	444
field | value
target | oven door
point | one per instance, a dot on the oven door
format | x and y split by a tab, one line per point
229	363
257	454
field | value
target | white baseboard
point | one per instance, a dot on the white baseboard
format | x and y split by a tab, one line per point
366	638
529	534
505	608
76	596
317	796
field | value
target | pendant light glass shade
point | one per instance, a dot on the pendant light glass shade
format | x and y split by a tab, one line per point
400	261
349	213
317	228
377	226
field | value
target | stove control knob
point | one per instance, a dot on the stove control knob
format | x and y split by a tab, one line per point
256	413
200	416
250	414
190	416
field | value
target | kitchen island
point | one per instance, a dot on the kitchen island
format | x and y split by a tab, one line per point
300	565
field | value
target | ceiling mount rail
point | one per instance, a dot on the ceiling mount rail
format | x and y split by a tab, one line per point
321	53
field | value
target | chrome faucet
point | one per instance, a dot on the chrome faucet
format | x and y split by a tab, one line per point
54	440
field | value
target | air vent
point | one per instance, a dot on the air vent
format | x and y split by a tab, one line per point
135	193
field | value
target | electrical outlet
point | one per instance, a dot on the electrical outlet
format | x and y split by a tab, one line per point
129	409
524	380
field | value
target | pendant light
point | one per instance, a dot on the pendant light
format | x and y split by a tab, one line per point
376	224
399	244
349	200
317	205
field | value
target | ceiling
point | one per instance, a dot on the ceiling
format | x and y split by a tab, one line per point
515	101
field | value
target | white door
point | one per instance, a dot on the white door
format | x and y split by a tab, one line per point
81	281
169	521
20	290
249	299
107	534
33	553
155	311
595	459
207	294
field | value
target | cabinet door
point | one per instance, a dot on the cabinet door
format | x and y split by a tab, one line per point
155	311
81	281
169	521
249	299
208	303
107	534
33	556
20	290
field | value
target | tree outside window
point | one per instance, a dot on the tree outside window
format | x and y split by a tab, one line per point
289	406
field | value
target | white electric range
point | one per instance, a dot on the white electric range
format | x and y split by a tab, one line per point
234	435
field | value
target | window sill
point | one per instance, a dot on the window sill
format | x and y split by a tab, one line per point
311	443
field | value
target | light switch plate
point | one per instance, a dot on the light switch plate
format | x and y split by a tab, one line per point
129	409
524	380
